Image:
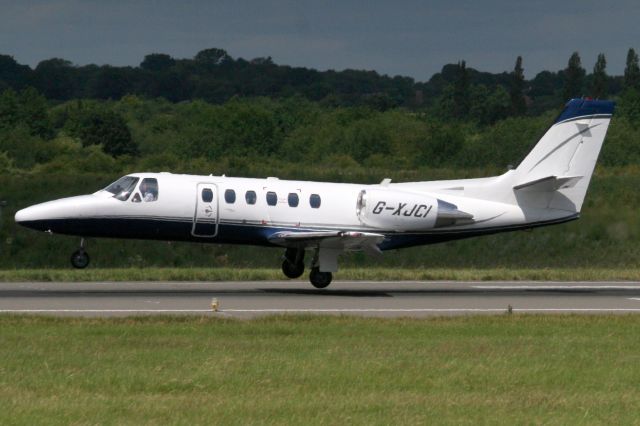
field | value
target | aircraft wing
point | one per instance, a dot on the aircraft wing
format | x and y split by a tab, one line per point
344	240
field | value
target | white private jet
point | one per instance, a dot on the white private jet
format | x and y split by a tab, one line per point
547	188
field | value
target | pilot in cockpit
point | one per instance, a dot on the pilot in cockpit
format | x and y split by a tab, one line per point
149	189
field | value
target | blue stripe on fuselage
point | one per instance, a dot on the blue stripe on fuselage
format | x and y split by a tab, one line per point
180	230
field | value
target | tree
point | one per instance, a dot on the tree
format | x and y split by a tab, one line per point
630	106
111	82
28	109
33	112
461	92
170	85
630	99
8	109
487	106
157	62
599	87
632	71
54	78
573	78
6	163
13	74
442	144
96	126
212	56
518	103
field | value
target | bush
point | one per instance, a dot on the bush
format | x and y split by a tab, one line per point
101	126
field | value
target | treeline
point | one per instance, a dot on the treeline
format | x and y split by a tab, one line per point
292	137
216	77
478	120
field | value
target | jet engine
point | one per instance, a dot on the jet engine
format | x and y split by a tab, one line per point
406	211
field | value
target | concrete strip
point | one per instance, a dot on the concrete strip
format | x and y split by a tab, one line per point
250	299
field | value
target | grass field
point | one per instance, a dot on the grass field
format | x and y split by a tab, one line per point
371	274
320	370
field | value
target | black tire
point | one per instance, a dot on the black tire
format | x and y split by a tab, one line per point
320	279
80	259
292	270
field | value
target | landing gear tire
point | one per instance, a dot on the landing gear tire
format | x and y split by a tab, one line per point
320	279
80	259
292	270
293	262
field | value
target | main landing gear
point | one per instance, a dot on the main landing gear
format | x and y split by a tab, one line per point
320	279
80	258
293	262
293	267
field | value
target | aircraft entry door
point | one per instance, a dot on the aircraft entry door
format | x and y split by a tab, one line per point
205	219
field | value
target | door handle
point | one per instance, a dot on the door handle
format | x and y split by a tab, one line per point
208	210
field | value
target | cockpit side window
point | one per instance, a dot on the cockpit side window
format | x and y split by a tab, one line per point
123	187
149	189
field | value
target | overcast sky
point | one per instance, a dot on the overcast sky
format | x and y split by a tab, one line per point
411	37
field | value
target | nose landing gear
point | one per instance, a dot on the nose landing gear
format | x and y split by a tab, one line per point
80	258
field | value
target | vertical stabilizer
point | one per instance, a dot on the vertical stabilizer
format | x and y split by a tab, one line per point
563	161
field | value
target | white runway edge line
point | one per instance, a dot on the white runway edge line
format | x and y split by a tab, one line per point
101	311
425	310
433	310
558	287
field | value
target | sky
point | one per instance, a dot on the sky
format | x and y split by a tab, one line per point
402	37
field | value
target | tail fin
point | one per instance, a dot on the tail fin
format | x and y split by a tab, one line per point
562	162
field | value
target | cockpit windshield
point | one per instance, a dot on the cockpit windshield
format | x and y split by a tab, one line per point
123	187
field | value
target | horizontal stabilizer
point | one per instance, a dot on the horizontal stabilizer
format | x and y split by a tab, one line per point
548	184
448	215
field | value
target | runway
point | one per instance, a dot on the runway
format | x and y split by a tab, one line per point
251	299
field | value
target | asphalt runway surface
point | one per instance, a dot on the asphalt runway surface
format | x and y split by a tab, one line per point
251	299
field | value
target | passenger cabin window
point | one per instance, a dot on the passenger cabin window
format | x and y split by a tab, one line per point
251	197
230	196
293	199
123	187
272	198
314	201
207	195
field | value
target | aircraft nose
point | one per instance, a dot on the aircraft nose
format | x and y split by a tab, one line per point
50	215
32	217
23	215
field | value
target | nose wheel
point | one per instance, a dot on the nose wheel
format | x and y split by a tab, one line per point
80	258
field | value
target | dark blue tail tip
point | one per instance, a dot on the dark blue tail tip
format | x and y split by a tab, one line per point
576	108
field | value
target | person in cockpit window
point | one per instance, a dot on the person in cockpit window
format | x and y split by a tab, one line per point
148	189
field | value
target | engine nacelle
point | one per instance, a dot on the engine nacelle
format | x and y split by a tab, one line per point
398	211
406	211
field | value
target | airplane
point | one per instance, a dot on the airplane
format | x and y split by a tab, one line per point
548	187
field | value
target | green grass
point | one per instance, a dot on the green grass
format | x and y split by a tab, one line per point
320	370
371	274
